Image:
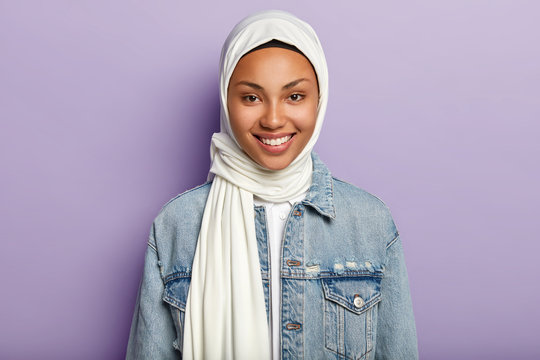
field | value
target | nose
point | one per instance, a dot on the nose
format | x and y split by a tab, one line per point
273	117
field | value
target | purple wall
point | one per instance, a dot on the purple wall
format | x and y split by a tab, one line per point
107	109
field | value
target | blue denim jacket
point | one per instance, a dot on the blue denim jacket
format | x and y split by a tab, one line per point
344	286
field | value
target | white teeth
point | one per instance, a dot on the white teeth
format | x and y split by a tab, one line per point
275	142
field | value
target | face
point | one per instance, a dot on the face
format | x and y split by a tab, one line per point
272	100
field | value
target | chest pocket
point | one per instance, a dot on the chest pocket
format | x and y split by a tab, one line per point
350	313
175	294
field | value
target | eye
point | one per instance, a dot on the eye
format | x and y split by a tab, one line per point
296	97
250	98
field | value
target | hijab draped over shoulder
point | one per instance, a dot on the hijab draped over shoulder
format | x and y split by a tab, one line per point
225	312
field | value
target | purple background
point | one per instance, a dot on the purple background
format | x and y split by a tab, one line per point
107	109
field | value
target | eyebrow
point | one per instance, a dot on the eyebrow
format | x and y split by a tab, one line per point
259	87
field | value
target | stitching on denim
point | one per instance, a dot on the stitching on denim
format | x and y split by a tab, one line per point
361	310
172	301
177	275
329	193
332	191
180	336
369	333
342	353
341	300
348	357
318	208
264	226
304	319
152	246
332	275
341	330
328	208
392	241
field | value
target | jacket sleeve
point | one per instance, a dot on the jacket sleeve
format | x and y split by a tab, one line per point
396	329
152	329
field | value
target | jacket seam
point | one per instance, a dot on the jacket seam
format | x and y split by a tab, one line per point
348	357
396	236
174	302
177	275
343	302
330	275
322	275
152	246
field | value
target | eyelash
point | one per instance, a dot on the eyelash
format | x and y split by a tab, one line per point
248	97
299	95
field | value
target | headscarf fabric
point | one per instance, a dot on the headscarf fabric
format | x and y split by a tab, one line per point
225	310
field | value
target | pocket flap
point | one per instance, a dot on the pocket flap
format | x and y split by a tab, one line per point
356	294
176	292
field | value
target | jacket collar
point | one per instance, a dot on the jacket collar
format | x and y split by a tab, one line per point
320	195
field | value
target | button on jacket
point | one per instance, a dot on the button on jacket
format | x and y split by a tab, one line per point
276	218
344	285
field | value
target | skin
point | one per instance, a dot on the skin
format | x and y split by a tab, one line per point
273	92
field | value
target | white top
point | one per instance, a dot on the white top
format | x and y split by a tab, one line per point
276	215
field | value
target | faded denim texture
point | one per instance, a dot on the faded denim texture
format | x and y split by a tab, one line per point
344	285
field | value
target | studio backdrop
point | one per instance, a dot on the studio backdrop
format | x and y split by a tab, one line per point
107	110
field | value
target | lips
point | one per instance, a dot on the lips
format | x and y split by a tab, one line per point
275	143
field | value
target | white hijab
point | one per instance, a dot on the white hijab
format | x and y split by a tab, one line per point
225	311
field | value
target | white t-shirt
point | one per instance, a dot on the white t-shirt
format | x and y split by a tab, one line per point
276	215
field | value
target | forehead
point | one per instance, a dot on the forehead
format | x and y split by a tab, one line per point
273	62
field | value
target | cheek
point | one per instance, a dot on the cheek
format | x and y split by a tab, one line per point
306	118
242	118
236	116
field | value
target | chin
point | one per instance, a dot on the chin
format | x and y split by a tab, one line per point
274	165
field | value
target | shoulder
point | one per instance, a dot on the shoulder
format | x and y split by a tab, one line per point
186	202
186	207
176	227
357	204
347	192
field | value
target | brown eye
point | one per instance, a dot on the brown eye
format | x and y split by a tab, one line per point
295	97
250	98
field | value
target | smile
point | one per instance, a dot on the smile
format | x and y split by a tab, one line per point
275	145
275	142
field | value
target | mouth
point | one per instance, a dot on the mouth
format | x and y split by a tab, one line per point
275	144
275	141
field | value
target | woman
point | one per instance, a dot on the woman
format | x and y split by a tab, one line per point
273	257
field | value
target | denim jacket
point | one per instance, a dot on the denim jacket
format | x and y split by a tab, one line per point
344	285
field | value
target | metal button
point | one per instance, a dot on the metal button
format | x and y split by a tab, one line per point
358	301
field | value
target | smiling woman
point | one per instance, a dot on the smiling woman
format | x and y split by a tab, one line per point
272	101
273	258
